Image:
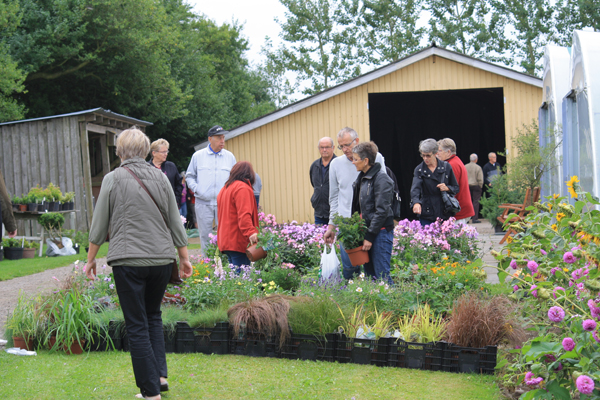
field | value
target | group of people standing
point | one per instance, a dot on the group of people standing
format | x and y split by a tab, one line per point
360	182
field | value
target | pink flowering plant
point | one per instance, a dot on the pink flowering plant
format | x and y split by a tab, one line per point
553	271
438	242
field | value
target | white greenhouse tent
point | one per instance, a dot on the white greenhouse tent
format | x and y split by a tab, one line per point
581	113
556	86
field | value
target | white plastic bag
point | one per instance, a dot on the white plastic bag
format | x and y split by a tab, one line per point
330	265
52	250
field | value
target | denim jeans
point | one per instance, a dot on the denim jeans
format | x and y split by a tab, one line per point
380	256
183	210
321	221
237	259
348	270
141	290
425	222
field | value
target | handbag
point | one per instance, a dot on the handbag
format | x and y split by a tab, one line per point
175	278
396	205
451	205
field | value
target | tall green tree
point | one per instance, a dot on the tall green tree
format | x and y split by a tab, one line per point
317	47
471	27
386	29
531	29
575	14
11	77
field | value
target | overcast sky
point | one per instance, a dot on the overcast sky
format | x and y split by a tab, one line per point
256	15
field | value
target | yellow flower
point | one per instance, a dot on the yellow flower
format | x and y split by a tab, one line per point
560	216
272	283
570	183
264	284
566	269
453	273
554	227
555	196
468	262
509	239
550	206
239	283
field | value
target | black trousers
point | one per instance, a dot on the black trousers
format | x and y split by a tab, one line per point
140	291
475	197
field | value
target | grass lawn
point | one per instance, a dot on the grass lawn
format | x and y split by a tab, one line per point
109	375
26	266
10	269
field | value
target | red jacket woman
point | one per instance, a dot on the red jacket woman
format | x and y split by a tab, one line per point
447	153
237	214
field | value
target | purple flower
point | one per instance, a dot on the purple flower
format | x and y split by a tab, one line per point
569	258
513	264
550	358
596	338
543	252
556	289
556	314
533	266
111	286
585	384
589	325
534	291
553	270
531	381
594	309
568	344
515	288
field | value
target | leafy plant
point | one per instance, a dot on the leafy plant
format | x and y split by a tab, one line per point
314	316
53	223
351	324
53	192
24	319
501	192
68	197
12	242
36	195
478	321
31	245
207	318
351	231
381	323
423	326
71	314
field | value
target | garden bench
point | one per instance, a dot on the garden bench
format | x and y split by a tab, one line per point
519	209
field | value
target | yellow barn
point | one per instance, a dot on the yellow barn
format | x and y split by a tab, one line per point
433	93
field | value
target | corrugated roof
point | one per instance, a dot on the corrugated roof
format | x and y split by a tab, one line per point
375	74
99	110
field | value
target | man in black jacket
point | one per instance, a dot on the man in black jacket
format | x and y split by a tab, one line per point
491	170
319	179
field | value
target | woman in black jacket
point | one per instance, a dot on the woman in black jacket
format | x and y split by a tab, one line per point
160	150
432	177
372	198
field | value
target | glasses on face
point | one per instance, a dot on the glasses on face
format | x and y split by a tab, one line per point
343	146
426	155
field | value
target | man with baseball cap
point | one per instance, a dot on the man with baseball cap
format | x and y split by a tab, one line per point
206	175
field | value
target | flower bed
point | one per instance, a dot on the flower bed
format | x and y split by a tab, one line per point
553	261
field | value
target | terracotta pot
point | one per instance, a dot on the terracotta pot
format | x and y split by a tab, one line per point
74	349
22	207
358	256
255	253
22	343
28	253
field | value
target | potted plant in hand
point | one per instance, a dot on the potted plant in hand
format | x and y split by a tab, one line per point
23	322
351	232
267	240
13	249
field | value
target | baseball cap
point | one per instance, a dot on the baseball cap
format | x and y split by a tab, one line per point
217	130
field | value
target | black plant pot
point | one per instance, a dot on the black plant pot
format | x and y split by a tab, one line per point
77	248
498	230
1	254
42	207
15	207
13	253
32	207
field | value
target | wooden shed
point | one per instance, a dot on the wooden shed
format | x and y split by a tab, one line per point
74	151
433	93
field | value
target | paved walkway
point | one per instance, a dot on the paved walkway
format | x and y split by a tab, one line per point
489	241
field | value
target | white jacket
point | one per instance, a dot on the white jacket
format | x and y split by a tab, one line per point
207	173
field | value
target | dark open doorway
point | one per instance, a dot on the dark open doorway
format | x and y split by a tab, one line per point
473	118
